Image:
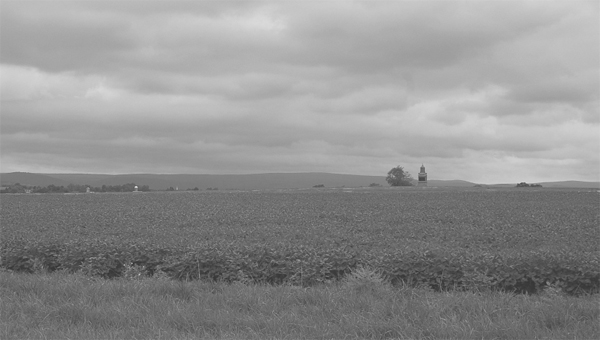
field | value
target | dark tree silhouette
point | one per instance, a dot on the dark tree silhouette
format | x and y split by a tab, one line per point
397	177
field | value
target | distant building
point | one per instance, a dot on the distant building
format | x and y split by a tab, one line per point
422	177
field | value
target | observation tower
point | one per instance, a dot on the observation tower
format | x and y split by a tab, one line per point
422	177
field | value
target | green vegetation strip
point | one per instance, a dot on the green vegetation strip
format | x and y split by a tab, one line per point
529	272
60	306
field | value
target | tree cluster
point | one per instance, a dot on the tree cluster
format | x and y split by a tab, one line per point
71	188
397	177
525	185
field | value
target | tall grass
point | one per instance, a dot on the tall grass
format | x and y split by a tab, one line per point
62	306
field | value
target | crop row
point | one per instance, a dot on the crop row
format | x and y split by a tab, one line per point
523	273
479	239
478	221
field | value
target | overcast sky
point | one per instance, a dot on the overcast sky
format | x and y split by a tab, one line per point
485	91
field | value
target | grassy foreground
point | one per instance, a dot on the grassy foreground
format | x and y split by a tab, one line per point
74	306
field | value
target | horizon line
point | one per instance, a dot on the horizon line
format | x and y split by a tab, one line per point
279	173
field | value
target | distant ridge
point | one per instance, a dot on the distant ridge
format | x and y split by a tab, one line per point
202	181
571	184
449	183
233	182
560	184
30	179
241	182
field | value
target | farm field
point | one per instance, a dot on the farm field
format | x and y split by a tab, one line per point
315	235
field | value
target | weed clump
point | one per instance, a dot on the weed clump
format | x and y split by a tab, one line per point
365	279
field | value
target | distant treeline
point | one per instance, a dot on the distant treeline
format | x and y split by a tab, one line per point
71	188
525	185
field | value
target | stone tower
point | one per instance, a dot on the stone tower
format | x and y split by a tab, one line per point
422	177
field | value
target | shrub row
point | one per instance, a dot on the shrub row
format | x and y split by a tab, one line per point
527	272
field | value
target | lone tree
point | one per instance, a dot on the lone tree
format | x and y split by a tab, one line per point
397	177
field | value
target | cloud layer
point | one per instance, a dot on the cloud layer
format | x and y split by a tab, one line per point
481	91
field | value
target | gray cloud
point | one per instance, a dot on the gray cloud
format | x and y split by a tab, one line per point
261	86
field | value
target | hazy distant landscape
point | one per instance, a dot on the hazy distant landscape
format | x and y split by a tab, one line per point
243	182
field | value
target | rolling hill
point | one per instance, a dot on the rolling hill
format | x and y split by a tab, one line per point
236	182
30	179
559	184
571	184
240	182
